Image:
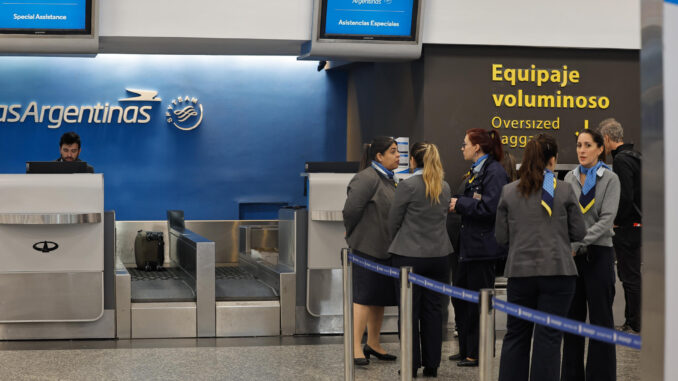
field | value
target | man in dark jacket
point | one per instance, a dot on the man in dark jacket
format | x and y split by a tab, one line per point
627	224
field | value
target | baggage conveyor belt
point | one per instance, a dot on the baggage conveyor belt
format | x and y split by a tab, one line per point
167	285
233	283
174	285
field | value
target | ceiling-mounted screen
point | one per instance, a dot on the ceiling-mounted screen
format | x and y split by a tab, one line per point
369	19
44	17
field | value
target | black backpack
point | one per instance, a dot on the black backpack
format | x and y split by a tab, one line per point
149	250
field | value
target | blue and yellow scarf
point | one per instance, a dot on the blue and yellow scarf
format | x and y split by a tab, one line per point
588	191
547	191
384	172
478	164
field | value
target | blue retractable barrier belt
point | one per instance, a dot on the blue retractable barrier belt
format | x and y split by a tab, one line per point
377	268
603	334
455	292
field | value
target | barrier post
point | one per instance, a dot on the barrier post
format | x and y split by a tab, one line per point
405	324
486	349
349	369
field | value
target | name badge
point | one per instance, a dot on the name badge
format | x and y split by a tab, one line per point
477	196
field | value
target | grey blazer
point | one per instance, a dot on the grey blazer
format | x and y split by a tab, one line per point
600	218
418	227
366	212
539	245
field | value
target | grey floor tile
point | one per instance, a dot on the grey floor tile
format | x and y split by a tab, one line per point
303	358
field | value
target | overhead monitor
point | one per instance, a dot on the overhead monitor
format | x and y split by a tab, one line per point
367	30
389	20
45	17
49	26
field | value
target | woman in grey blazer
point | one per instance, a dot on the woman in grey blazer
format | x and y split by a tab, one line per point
597	189
417	224
537	217
370	194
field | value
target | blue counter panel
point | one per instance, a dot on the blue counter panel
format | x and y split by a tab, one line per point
197	133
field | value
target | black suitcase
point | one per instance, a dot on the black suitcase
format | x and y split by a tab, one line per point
149	250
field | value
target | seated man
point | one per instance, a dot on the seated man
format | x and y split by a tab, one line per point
69	147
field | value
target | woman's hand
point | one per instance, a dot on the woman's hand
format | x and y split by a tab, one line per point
453	203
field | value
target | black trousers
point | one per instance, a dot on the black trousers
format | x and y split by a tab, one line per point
627	249
472	275
454	268
427	309
550	294
595	289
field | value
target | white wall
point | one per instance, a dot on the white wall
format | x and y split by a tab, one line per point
572	23
670	55
233	19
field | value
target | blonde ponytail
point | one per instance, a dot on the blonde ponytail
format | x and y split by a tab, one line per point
426	155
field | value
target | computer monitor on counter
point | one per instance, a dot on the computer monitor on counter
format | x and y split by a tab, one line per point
58	167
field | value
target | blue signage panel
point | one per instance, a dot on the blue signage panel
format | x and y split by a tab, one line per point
370	18
43	15
213	136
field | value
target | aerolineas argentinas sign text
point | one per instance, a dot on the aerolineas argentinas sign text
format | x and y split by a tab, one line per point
55	116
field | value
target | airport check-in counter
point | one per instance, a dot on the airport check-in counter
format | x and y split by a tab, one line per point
223	278
57	258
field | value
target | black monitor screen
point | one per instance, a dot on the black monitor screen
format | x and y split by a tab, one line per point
58	167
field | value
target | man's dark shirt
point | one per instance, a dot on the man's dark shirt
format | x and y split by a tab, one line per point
627	166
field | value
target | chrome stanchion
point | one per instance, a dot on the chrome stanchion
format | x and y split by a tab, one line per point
405	324
349	370
486	349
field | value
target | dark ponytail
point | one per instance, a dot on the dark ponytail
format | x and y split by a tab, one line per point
489	141
538	151
380	144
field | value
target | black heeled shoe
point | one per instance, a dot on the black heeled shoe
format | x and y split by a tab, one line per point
361	361
430	372
368	351
456	357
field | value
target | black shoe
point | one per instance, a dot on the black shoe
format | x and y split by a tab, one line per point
627	328
623	328
430	372
457	357
369	352
414	373
467	362
361	361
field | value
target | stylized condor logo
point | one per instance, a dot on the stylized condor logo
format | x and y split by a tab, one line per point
45	246
141	96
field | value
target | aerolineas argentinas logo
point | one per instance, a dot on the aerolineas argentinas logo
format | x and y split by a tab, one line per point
132	110
184	113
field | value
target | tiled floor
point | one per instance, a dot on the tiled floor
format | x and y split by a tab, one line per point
287	358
